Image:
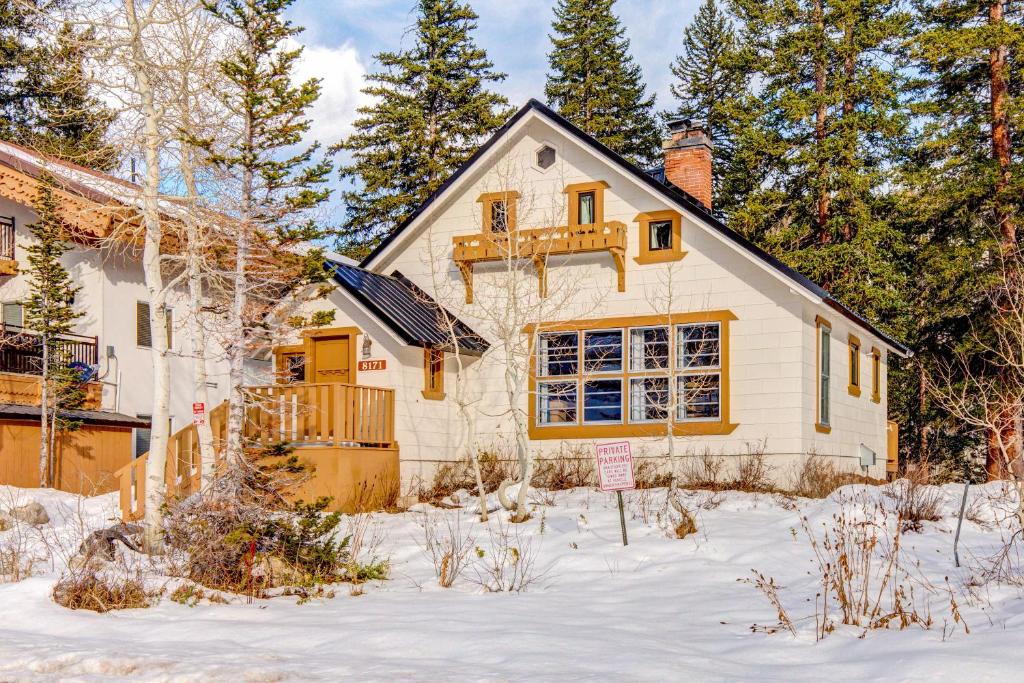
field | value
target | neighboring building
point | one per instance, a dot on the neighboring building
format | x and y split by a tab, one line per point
642	300
113	336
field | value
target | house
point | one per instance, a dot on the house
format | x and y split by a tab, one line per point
551	282
112	337
640	314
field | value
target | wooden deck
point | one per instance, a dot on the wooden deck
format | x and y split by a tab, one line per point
344	432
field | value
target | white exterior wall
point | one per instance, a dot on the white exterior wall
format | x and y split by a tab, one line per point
111	285
771	344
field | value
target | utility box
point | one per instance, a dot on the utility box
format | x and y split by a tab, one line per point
867	456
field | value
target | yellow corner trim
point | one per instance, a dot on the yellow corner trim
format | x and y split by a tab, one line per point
822	321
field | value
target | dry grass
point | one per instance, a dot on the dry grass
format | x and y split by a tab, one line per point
706	471
447	545
818	477
102	591
915	500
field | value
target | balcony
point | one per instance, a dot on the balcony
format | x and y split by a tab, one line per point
8	266
537	244
21	351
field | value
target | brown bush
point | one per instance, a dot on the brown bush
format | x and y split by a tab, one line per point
707	471
753	474
914	499
98	592
818	477
649	476
568	470
703	472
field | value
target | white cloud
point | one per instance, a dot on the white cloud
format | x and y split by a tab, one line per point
342	75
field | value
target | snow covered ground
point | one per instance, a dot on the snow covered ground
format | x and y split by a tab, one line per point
659	609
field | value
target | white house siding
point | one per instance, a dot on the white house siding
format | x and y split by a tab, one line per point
112	283
772	350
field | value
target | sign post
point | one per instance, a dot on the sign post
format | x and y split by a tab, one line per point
615	473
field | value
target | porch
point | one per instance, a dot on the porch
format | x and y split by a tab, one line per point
343	432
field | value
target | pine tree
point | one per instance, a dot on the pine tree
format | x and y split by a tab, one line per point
963	194
49	313
274	177
433	108
705	81
595	83
44	97
819	130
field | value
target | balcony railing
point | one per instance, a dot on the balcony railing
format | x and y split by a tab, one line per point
537	244
21	351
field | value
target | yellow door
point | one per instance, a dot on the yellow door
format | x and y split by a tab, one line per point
332	360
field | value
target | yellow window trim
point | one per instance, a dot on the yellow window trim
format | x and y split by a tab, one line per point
574	190
511	199
876	375
675	253
280	352
626	429
820	426
854	360
433	387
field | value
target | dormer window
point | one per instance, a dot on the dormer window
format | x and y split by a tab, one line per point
660	235
499	211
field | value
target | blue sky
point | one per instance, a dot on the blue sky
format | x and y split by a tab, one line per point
342	36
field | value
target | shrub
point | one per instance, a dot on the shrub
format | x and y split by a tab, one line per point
447	546
100	592
914	500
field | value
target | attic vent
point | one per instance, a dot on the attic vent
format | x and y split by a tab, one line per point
546	157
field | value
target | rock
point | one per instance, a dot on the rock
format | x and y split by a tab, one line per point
5	522
273	571
31	513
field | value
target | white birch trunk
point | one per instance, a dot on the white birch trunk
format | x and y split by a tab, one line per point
44	402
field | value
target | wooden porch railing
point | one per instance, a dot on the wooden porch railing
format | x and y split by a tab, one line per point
329	414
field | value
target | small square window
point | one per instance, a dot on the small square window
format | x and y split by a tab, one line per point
558	354
546	157
660	235
602	401
556	403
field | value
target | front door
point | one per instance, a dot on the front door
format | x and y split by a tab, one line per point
332	360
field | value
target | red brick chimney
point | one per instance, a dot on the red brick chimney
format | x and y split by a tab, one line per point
688	159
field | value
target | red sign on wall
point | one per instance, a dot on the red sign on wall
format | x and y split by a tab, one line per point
370	365
199	414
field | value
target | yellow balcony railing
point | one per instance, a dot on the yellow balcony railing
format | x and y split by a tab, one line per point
537	244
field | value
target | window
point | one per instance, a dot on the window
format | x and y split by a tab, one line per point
660	237
621	381
143	330
433	374
14	314
141	445
546	157
824	353
876	375
586	203
499	210
854	386
294	367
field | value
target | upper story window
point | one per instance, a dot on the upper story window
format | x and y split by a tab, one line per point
13	314
854	386
143	329
586	203
433	374
7	237
499	210
824	361
660	237
546	157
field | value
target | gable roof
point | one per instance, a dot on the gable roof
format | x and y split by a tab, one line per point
407	310
659	184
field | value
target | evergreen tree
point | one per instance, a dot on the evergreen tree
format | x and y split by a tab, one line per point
962	192
433	107
44	98
49	313
595	83
705	81
818	132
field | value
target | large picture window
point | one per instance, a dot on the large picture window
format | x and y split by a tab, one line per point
639	375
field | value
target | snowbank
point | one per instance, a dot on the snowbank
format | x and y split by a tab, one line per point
661	608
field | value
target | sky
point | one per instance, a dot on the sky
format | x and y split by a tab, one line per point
342	36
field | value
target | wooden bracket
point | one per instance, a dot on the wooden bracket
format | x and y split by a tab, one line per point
540	262
467	277
620	266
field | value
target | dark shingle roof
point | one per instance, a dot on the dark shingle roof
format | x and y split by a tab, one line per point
651	179
17	411
404	308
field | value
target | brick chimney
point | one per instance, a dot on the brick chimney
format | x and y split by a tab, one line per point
688	158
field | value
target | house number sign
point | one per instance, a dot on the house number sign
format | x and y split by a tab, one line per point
373	364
